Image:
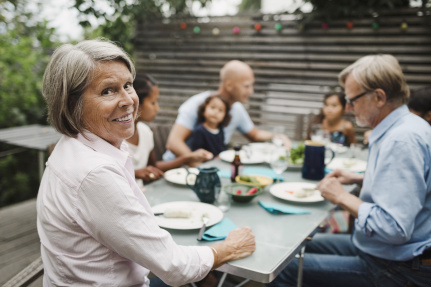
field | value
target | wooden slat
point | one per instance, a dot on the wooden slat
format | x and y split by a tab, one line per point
293	69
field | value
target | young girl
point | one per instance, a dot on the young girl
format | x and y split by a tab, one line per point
141	144
213	115
331	120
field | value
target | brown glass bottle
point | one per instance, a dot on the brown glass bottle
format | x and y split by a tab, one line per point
236	164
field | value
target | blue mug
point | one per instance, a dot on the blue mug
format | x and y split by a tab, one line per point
314	160
206	184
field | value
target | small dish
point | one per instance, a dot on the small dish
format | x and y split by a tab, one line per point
261	180
238	192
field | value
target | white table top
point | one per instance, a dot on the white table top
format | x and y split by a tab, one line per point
278	237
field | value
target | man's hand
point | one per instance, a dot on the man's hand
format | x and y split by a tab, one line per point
199	155
331	189
345	177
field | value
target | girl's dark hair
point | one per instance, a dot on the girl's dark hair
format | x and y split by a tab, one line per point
341	98
420	100
143	85
202	107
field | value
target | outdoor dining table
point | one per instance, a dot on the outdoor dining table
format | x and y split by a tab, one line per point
279	238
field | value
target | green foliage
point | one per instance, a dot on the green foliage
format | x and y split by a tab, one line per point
25	47
118	20
19	177
250	5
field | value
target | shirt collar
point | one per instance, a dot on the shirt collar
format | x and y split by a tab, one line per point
100	145
387	122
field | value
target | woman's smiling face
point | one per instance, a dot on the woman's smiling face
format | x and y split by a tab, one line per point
110	103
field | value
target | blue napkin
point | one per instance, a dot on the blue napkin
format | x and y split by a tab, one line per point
263	171
219	231
328	170
224	173
278	208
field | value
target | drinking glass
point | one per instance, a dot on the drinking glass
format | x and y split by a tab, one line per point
279	161
277	139
320	135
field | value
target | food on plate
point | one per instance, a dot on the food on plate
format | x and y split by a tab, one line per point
177	213
297	154
349	162
248	178
251	191
304	192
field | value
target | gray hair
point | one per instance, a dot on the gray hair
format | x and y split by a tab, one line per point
69	72
379	71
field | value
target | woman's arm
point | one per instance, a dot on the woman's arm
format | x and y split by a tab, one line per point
238	244
349	131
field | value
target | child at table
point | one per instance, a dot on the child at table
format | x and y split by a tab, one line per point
331	120
420	103
213	116
141	144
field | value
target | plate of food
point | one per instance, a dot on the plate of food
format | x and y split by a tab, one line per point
296	159
178	175
296	191
254	180
350	164
248	156
186	215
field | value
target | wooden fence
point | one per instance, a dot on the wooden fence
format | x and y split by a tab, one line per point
293	67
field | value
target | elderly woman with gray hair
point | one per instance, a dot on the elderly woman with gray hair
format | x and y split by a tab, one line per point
95	225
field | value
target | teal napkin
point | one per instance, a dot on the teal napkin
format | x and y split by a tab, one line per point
263	171
219	231
278	208
224	173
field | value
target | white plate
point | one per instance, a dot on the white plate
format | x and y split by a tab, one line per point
280	190
255	156
178	175
194	222
351	164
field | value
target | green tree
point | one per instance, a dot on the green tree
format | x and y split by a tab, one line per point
250	5
118	18
25	46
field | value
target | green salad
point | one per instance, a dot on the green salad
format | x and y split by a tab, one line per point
297	154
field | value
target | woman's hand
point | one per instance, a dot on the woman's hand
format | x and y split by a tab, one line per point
238	244
149	173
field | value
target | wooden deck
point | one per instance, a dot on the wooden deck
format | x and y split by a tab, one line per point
19	241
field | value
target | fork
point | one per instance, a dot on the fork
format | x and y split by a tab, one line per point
205	220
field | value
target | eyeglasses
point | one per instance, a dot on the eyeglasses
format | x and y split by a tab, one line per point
350	101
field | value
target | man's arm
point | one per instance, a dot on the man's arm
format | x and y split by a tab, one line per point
256	135
176	142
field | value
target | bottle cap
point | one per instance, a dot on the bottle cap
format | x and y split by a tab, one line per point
237	147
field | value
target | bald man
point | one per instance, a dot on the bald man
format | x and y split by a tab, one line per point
236	86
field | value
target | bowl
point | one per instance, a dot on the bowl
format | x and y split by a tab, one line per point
261	180
233	188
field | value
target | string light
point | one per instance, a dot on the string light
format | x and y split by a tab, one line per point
257	27
278	26
236	30
183	25
196	30
216	31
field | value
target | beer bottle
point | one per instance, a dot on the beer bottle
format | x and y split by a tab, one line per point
236	164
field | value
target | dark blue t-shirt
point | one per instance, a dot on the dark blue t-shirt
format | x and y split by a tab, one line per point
202	138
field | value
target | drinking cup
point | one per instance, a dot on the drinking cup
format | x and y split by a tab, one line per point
314	160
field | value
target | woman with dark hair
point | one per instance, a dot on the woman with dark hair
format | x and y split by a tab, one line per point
331	120
141	144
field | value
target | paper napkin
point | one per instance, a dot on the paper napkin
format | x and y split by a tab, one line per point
219	231
279	208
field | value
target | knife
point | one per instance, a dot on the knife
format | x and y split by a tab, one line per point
205	220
